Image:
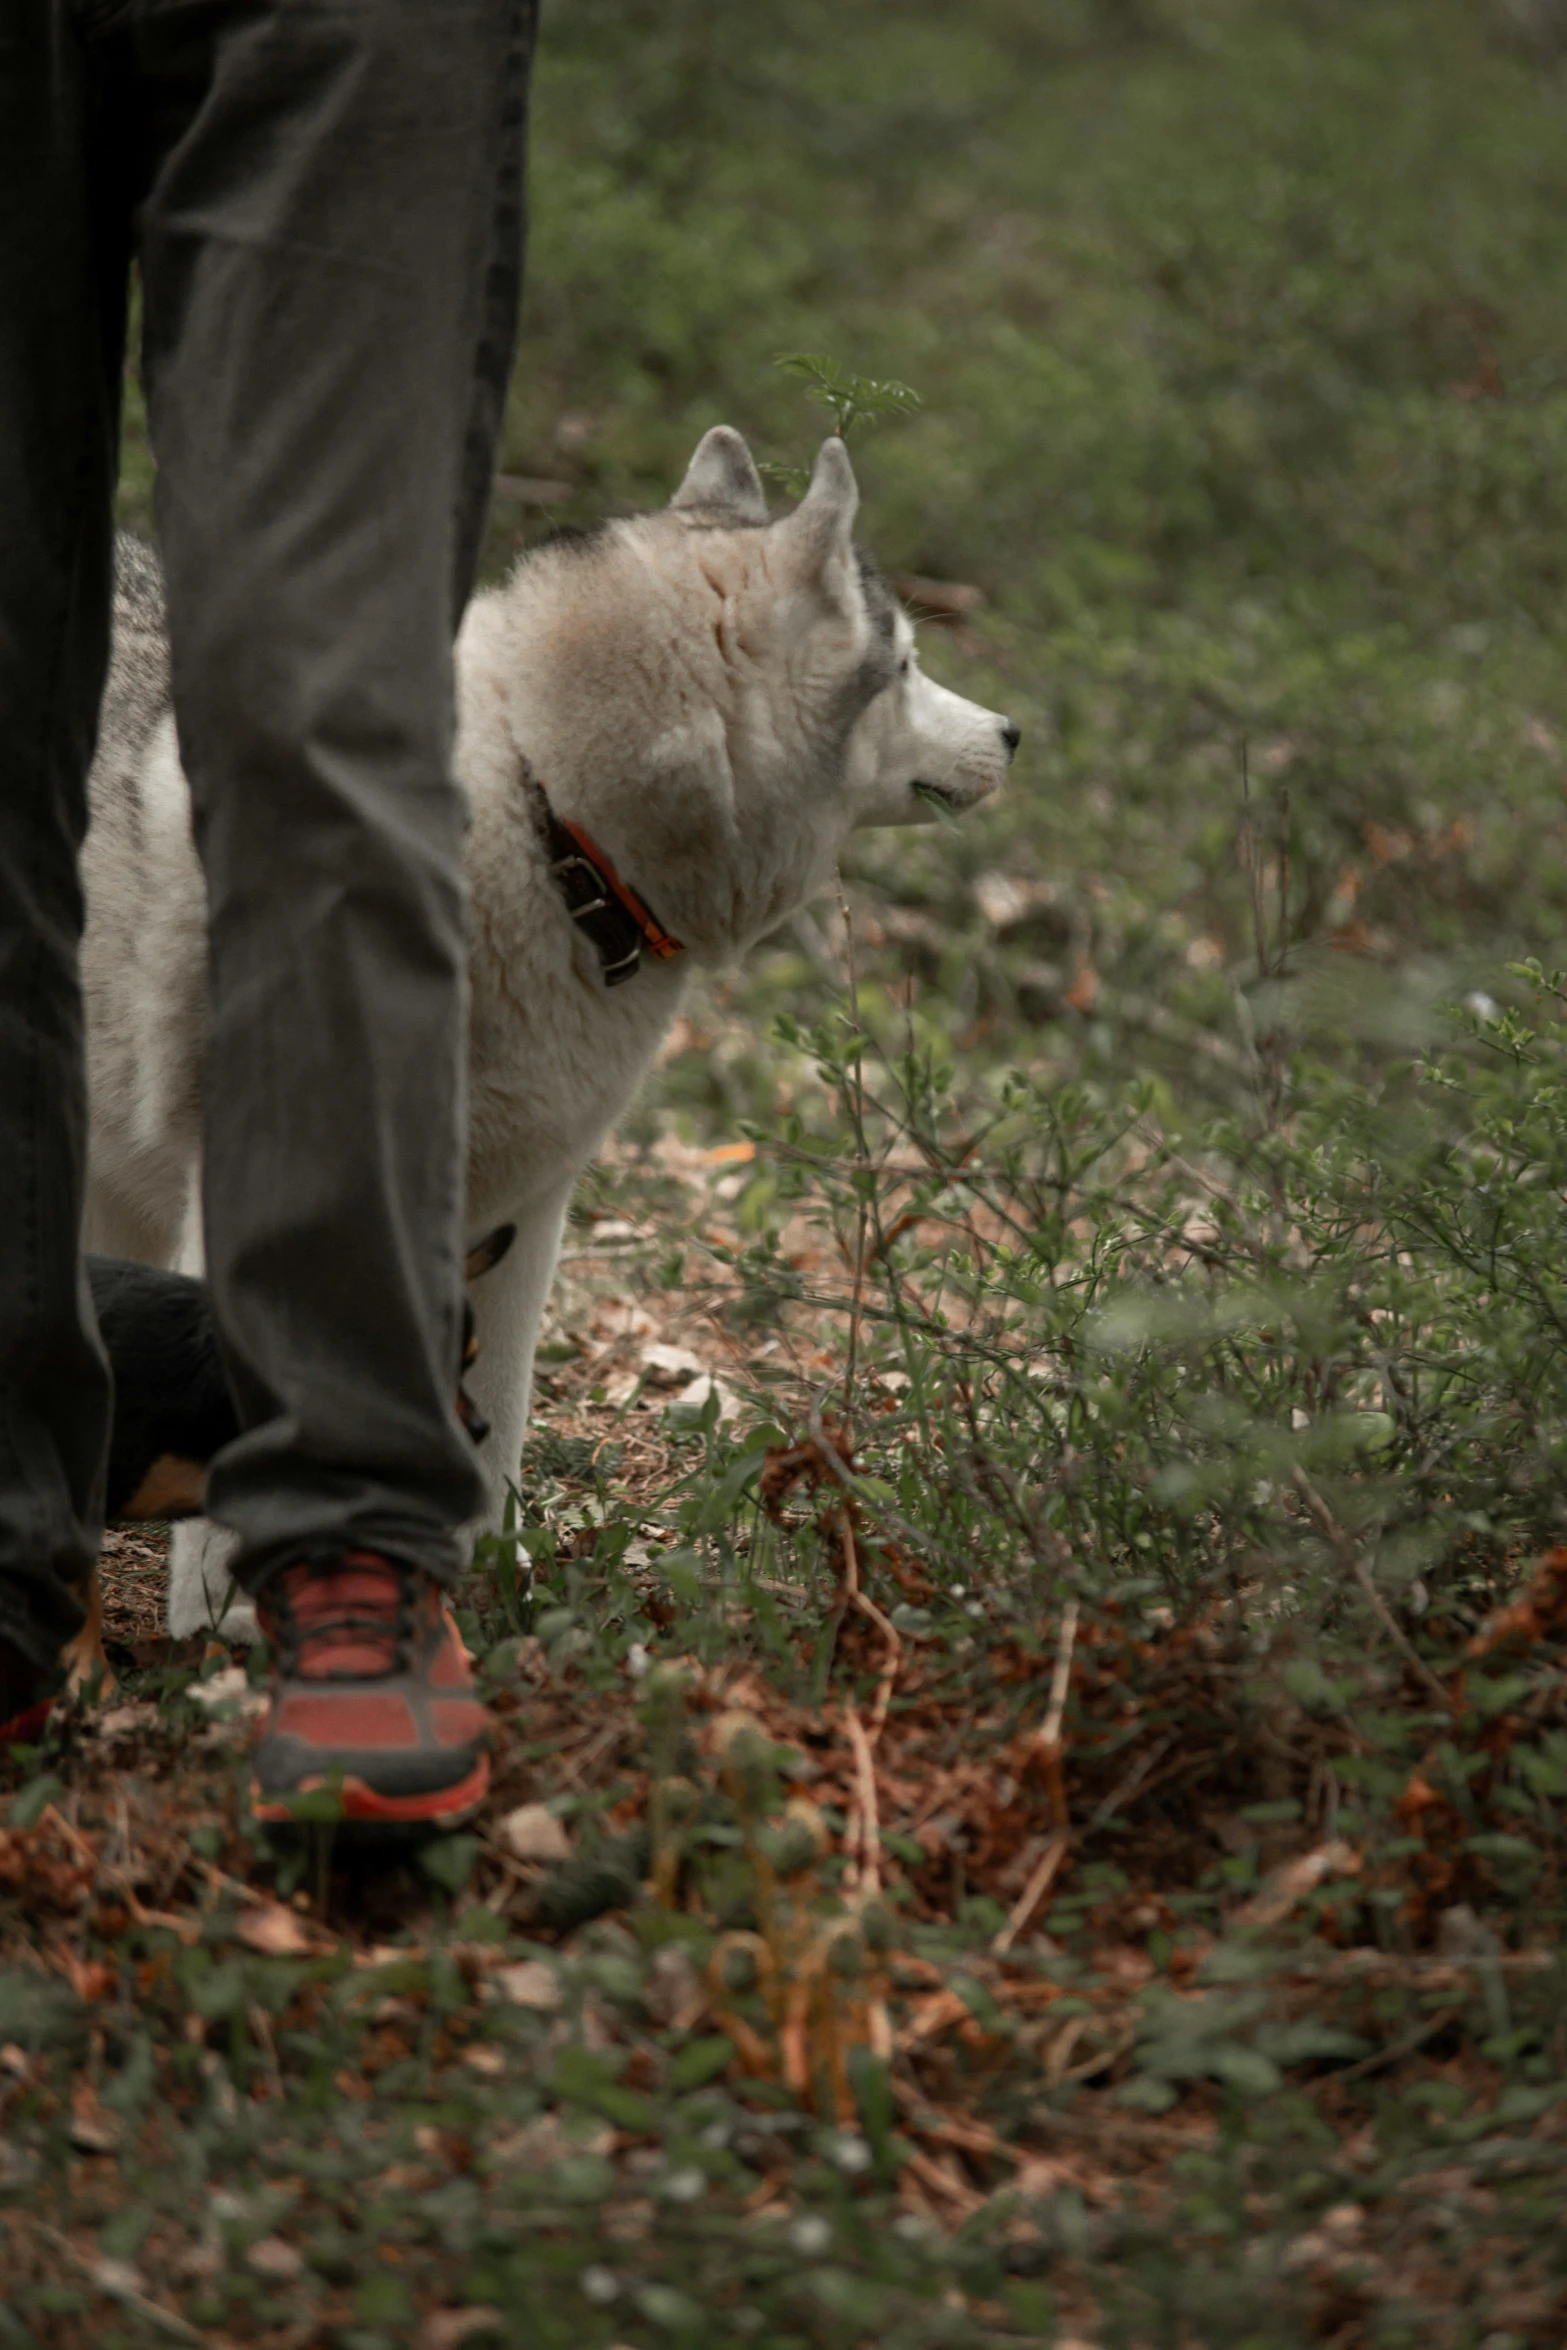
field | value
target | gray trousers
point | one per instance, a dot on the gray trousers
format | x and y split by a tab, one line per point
324	198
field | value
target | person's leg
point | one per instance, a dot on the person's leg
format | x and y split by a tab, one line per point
329	258
62	296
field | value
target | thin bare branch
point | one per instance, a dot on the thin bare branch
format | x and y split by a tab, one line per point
1347	1551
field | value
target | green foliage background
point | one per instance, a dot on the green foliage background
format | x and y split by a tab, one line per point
1194	292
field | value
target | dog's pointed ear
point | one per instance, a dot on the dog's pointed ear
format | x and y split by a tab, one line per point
487	1253
722	479
822	525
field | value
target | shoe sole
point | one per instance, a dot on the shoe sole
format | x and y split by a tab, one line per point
363	1806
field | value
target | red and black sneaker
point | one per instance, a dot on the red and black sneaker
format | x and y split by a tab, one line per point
25	1699
372	1698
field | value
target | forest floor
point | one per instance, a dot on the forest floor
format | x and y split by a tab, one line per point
929	1972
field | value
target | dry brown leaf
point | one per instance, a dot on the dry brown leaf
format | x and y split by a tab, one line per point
93	2131
91	1979
123	1721
701	1389
532	1982
1280	1892
668	1365
1541	1612
274	2259
277	1932
444	2329
532	1832
230	1686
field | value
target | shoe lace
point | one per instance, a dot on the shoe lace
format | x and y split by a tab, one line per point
310	1609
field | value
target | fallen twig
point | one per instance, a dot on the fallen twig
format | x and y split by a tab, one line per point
855	1594
1386	1967
1033	1893
1394	2052
1047	1742
116	2280
867	1868
937	2180
940	2010
860	1598
920	1538
1047	1748
1347	1550
1125	1788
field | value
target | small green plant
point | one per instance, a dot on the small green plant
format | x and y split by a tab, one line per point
852	399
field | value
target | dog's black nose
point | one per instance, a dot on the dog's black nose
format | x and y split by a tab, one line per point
1011	735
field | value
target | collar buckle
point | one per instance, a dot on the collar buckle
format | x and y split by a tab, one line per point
596	900
616	921
615	974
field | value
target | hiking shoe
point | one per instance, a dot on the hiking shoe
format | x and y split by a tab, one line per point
372	1698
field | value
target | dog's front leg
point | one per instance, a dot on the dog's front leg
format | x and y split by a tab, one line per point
83	1657
203	1595
508	1306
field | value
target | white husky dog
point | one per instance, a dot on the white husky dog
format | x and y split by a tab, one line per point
684	711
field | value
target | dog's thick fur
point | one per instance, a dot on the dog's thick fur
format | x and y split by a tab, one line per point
718	699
